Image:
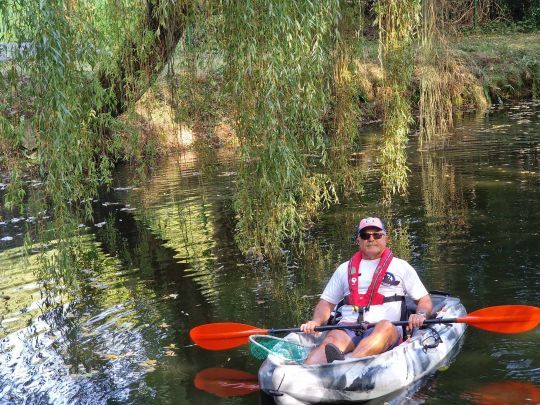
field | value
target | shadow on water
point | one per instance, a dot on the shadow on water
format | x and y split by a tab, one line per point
160	258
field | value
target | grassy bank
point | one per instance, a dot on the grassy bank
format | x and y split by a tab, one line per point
196	110
504	67
508	65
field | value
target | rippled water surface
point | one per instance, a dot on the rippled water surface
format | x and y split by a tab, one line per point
160	258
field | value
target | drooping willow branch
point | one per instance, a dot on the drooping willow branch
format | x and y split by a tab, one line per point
398	21
279	62
73	75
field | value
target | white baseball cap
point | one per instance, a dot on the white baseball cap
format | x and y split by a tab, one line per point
370	222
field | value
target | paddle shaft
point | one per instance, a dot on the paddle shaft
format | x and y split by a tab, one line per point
257	331
471	320
359	326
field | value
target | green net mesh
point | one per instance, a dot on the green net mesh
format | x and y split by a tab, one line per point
263	345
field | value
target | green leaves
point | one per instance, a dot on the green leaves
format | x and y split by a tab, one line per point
279	65
398	21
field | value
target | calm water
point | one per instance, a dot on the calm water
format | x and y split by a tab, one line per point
160	258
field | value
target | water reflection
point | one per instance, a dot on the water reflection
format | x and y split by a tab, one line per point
87	341
160	258
225	382
399	237
445	208
181	209
505	392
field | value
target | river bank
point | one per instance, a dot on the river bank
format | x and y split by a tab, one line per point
189	108
501	67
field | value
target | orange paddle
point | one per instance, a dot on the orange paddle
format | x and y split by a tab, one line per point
501	319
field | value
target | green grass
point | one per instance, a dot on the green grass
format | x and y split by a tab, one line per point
507	63
500	45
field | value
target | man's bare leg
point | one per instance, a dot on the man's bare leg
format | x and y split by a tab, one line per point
381	339
338	338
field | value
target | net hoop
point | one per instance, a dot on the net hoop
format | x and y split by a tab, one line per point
262	346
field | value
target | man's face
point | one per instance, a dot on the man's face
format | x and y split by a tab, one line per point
372	248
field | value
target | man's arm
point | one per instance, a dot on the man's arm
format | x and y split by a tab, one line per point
320	316
424	307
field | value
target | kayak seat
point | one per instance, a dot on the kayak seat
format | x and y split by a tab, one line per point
335	315
437	298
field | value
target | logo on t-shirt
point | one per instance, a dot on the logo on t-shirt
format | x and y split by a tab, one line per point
389	279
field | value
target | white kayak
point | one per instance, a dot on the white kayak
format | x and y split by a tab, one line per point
370	377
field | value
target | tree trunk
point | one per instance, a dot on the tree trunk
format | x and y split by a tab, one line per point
138	70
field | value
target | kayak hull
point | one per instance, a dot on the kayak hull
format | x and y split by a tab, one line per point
366	378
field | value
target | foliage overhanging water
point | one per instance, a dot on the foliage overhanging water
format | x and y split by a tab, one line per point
160	258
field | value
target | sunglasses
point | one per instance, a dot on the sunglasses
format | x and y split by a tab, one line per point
367	235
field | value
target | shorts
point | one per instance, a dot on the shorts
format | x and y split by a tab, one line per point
357	338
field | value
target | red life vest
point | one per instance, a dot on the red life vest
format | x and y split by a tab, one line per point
372	295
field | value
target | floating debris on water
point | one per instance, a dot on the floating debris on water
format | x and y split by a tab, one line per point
10	320
107	203
149	364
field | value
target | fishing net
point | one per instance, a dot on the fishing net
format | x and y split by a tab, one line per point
263	345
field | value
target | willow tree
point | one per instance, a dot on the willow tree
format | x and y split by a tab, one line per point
398	21
289	75
435	77
278	58
85	62
145	50
445	81
345	111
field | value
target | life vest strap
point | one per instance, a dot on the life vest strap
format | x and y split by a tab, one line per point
392	298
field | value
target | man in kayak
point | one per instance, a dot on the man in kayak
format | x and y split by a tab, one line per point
373	285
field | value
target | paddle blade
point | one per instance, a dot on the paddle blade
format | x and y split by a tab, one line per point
504	318
223	335
225	382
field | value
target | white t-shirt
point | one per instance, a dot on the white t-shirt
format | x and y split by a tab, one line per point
400	279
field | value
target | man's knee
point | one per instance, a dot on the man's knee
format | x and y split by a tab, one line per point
340	339
388	330
385	326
